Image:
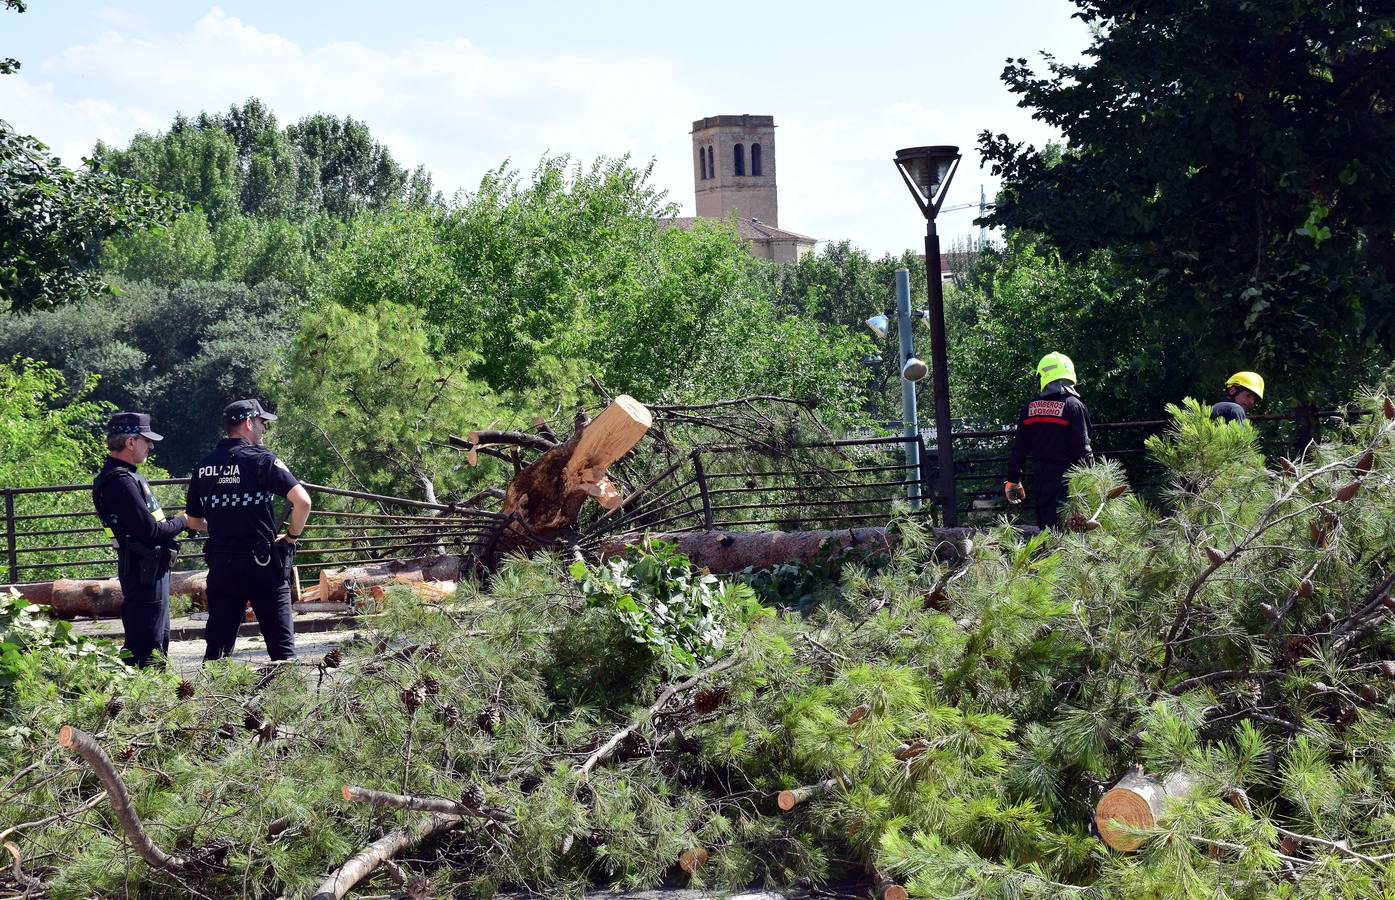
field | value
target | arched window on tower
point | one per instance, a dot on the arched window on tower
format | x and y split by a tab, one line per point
755	159
702	163
711	166
738	157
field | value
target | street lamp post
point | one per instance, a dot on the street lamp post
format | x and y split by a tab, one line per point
912	369
928	171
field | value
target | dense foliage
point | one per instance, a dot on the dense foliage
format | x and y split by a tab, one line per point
960	708
178	353
1239	157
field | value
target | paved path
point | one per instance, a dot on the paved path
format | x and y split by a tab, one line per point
316	634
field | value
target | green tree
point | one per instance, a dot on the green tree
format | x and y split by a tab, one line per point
365	404
179	354
1237	155
47	427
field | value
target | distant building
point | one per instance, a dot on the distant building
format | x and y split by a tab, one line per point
734	172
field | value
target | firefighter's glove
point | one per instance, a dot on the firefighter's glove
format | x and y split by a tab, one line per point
1015	493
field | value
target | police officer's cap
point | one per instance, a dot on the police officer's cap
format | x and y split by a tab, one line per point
238	410
132	423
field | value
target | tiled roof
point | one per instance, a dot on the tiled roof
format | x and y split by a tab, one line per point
750	229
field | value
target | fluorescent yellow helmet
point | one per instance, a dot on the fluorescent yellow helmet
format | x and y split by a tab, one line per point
1055	366
1250	381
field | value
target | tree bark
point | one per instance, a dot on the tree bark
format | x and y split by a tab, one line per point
1137	801
732	551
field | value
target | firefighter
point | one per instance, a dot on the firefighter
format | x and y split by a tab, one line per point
1055	429
1242	391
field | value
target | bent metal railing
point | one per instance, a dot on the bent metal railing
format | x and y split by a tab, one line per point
51	532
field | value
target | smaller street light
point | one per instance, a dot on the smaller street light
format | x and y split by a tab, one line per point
913	369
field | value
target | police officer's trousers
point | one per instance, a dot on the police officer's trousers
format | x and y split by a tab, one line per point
1052	492
145	617
233	580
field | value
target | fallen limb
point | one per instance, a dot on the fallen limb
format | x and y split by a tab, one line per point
354	794
343	879
97	760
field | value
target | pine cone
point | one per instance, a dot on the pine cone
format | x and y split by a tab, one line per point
114	706
1369	693
472	795
185	690
1387	668
333	659
126	753
430	685
1389	408
1367	460
488	719
634	744
413	696
1269	611
1347	491
449	715
253	719
706	700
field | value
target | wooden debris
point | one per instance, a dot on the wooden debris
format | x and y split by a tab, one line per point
336	585
1136	801
788	800
343	879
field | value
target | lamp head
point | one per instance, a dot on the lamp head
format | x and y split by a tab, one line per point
927	171
879	325
914	369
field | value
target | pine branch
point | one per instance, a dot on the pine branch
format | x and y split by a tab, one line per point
343	879
97	760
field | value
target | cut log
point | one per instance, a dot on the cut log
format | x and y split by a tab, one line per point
546	496
335	583
1136	801
788	800
71	598
888	889
692	859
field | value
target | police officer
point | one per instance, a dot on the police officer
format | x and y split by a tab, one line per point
144	538
230	497
1242	391
1055	429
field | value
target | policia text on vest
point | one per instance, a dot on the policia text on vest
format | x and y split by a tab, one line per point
144	538
231	496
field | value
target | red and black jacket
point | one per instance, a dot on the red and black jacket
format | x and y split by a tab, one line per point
1054	428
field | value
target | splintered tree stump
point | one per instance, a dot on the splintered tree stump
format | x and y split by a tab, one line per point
1136	801
546	497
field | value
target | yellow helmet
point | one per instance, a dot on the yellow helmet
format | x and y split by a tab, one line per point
1250	381
1055	366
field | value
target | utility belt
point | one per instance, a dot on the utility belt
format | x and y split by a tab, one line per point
277	554
150	564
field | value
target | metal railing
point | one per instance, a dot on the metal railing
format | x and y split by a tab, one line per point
51	532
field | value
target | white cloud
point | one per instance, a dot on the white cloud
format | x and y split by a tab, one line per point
460	110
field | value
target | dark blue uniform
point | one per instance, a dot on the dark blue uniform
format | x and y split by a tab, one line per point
233	489
1228	410
145	548
1055	429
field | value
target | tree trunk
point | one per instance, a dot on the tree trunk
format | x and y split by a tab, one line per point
547	496
732	551
71	598
335	585
1136	801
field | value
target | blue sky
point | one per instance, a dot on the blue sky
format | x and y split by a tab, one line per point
461	87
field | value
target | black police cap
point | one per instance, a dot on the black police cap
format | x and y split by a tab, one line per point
132	423
238	410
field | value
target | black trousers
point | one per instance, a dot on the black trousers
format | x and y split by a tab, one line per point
233	580
1052	492
145	616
